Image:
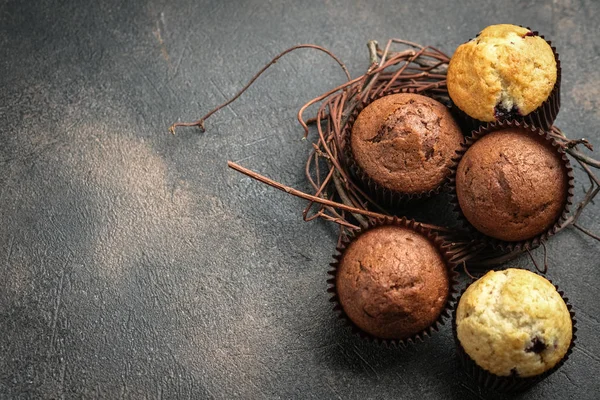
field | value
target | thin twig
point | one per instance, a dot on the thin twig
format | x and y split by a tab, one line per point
346	200
590	234
306	196
542	271
200	123
466	271
583	158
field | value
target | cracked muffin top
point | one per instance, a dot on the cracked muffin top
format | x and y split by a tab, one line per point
392	282
405	142
513	322
512	184
506	71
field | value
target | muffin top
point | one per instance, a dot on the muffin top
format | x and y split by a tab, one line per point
392	282
512	184
505	71
513	322
405	142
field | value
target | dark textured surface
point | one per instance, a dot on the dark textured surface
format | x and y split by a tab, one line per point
133	264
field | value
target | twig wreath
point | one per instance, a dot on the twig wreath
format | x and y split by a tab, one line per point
338	197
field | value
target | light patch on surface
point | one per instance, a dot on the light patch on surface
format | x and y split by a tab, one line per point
139	209
234	350
157	31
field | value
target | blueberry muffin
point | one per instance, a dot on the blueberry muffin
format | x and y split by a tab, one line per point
513	323
505	72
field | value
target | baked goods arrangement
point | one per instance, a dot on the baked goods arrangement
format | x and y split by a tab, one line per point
477	131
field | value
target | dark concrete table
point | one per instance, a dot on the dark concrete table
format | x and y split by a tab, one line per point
134	264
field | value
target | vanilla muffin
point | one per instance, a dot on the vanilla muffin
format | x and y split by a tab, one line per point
405	142
506	71
513	323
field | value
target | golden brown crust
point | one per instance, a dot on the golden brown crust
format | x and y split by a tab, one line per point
405	142
392	282
514	321
512	185
504	65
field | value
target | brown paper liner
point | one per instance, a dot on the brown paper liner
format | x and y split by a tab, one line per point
542	117
507	384
497	243
382	195
445	251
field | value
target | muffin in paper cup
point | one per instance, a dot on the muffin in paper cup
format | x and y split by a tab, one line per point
399	146
393	282
512	329
480	78
511	185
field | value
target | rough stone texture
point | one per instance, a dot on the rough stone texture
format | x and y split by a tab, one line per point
392	282
134	264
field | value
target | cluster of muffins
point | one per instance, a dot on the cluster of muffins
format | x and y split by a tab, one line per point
511	184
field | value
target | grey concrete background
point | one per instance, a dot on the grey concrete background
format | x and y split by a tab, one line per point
134	264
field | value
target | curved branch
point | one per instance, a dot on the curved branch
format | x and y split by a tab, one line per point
200	123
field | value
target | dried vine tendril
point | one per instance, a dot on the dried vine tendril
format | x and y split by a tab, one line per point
336	197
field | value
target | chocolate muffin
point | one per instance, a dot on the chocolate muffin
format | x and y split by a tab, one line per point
505	72
392	282
512	184
405	142
513	323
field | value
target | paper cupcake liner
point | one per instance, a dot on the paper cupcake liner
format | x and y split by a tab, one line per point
382	195
467	124
498	244
542	117
507	384
444	249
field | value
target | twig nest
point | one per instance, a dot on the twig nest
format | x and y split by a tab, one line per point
513	324
513	184
405	142
394	281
